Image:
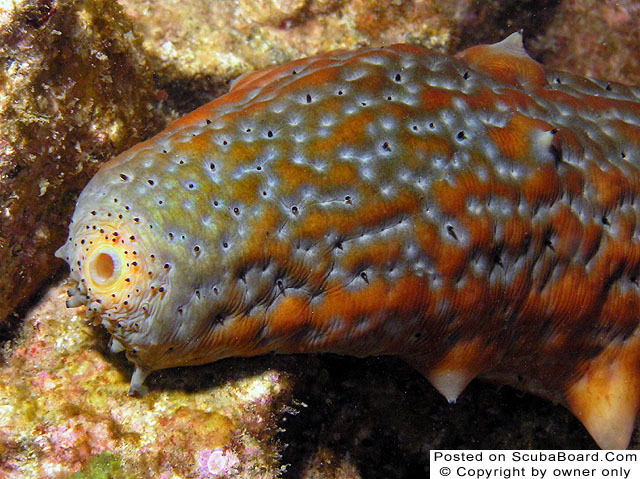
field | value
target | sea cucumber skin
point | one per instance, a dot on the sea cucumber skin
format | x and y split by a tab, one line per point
473	215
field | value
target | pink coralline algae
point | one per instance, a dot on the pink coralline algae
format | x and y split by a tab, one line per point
219	462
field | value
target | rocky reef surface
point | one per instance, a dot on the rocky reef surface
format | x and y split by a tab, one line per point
75	89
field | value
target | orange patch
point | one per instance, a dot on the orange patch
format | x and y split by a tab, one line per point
426	148
378	254
432	98
612	186
247	189
505	67
543	186
450	198
569	233
517	234
293	175
350	129
514	139
291	315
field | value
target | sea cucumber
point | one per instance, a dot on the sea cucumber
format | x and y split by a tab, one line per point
473	215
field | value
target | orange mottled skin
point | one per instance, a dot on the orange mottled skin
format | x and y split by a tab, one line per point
472	215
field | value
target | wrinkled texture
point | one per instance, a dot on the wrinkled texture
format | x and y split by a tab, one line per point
381	201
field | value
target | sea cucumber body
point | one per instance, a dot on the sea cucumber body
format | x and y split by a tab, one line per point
471	215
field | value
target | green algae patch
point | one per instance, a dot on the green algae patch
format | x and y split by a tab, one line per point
102	466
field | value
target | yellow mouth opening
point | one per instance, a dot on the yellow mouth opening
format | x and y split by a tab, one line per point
117	271
104	267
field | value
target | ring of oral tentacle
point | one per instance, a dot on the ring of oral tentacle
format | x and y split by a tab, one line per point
118	276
